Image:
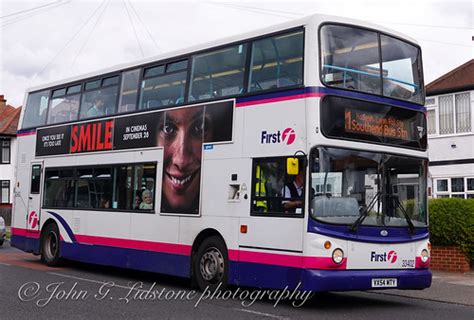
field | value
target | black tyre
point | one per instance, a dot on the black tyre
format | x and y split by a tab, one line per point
50	245
211	265
1	243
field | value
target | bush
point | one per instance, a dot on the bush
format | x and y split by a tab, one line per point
452	223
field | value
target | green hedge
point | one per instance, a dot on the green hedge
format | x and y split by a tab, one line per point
452	223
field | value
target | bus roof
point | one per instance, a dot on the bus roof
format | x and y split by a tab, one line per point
314	18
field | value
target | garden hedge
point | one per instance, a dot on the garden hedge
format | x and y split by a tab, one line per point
452	223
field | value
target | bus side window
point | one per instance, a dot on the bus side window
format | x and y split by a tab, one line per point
129	91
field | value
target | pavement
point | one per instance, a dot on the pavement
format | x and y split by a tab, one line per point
448	287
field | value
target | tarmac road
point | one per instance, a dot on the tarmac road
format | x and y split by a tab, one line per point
28	289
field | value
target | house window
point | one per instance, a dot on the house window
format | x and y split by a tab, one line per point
5	151
470	188
455	188
442	185
446	124
454	114
5	191
431	118
463	112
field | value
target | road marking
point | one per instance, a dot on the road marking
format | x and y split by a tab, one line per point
261	313
5	264
128	288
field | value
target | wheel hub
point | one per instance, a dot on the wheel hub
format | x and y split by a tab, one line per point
51	245
212	265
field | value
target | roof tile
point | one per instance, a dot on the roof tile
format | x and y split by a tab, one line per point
458	79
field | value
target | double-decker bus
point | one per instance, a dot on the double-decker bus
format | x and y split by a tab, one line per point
293	156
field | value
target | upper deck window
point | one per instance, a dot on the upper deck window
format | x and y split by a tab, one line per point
362	60
277	62
74	89
165	89
218	73
177	66
110	81
129	91
102	100
92	85
63	107
154	71
36	109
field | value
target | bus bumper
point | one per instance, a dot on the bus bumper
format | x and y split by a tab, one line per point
349	280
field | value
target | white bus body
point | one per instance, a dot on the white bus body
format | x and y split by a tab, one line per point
243	246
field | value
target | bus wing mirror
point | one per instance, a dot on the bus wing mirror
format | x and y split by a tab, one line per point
292	167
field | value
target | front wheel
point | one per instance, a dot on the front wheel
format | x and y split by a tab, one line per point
210	265
50	245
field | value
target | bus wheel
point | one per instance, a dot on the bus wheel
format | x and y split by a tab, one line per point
210	265
50	245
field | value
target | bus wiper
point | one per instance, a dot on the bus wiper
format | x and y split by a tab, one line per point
365	213
411	227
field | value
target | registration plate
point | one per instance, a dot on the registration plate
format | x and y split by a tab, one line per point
384	283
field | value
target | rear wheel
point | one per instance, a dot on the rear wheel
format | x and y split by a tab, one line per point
50	245
210	265
1	243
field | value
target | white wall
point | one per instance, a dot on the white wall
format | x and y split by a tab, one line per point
451	147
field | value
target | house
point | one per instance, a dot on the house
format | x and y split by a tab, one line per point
9	117
450	117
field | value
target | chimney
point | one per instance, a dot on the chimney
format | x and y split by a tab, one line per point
3	101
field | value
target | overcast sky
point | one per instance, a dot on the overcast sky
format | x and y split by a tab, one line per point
45	41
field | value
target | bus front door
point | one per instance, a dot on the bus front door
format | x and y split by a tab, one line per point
34	198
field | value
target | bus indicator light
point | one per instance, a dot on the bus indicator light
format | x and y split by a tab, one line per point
243	228
327	245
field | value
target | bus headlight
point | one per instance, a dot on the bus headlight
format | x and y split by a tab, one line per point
424	255
337	256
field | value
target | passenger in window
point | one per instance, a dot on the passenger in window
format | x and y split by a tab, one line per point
104	202
138	201
294	190
97	109
147	200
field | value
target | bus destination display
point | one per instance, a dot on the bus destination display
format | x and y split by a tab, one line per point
350	119
376	124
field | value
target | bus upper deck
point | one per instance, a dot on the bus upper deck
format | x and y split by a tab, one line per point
351	58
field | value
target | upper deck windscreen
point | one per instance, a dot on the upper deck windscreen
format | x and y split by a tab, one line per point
368	61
